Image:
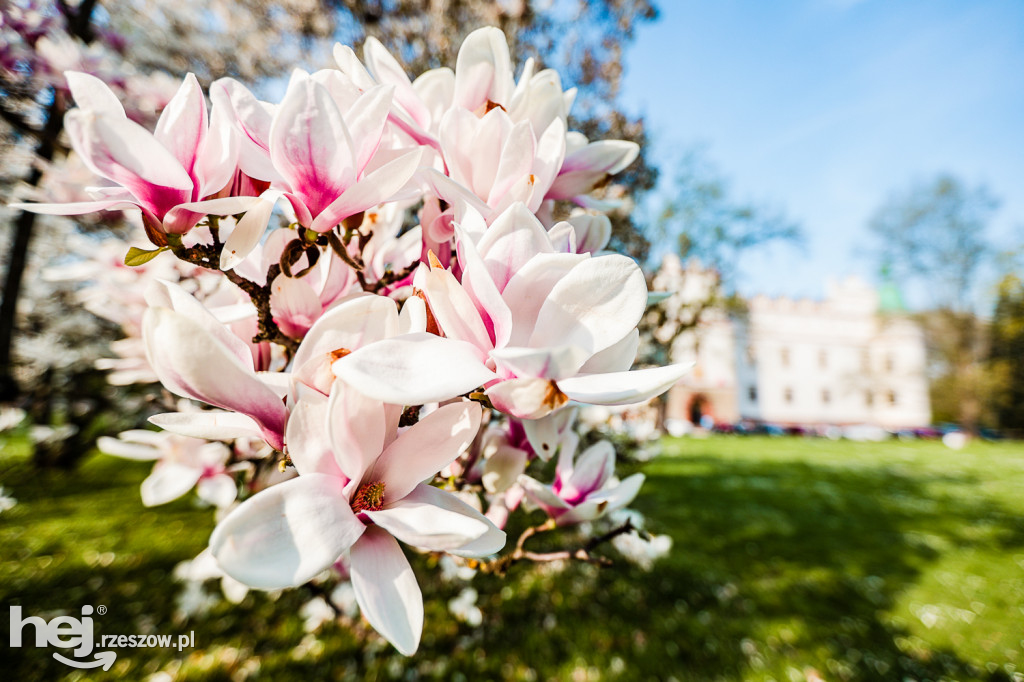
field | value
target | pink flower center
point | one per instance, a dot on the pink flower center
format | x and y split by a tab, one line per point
369	497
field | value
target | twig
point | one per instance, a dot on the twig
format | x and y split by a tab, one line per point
501	565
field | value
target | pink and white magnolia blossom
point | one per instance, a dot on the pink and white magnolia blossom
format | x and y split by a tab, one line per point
360	486
585	487
182	463
196	356
190	156
536	327
321	149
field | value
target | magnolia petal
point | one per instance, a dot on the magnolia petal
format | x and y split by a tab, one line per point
550	155
592	232
545	434
502	468
120	448
356	428
252	118
482	290
454	310
617	357
123	151
294	305
217	155
308	445
190	362
425	448
434	520
513	238
590	472
345	327
208	424
453	192
164	294
623	388
183	123
246	235
93	94
169	481
542	495
219	490
286	534
413	317
596	304
528	398
529	287
315	171
563	238
605	502
366	120
376	187
607	156
386	589
414	369
515	161
74	208
483	69
542	363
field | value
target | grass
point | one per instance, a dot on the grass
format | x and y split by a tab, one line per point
792	559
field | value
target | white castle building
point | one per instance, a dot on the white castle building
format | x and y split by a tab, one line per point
854	358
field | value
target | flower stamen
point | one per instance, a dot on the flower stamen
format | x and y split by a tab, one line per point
369	497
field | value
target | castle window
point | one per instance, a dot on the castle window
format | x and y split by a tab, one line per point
826	396
787	395
784	357
752	393
890	363
869	399
891	395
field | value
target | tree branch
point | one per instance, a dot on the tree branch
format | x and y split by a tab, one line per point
501	565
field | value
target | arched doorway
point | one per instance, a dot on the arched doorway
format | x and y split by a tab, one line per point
699	407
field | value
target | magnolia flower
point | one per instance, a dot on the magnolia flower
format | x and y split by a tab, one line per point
536	327
584	487
181	464
494	162
189	156
196	356
588	164
321	150
359	488
204	567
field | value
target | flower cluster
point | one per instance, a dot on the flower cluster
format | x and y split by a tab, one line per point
413	334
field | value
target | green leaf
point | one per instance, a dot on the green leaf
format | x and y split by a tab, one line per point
136	256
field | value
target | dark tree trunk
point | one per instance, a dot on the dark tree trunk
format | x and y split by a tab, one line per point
18	258
78	20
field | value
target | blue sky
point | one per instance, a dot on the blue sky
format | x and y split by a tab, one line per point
825	107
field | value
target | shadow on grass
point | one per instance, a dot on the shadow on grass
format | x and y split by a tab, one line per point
777	569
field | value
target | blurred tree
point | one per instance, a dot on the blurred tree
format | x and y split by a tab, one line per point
933	235
706	222
1006	355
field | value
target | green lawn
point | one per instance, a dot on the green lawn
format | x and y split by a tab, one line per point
793	559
